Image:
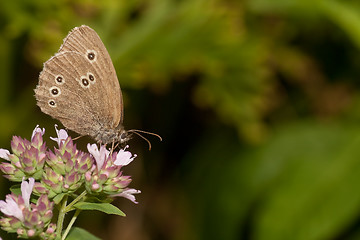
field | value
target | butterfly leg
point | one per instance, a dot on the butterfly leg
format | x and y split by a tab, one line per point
112	147
76	138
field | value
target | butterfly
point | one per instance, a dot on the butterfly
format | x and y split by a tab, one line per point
79	87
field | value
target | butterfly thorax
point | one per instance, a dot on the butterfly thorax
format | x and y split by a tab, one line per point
117	135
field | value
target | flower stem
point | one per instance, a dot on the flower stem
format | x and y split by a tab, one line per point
73	219
68	208
61	217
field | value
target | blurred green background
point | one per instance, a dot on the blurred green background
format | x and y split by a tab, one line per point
258	103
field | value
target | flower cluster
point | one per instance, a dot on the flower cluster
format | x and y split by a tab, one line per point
106	177
54	176
27	220
65	169
27	159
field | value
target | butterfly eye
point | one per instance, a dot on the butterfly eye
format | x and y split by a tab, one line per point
55	91
123	136
52	103
91	77
91	55
85	82
59	79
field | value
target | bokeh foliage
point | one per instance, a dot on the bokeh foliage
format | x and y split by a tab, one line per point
257	102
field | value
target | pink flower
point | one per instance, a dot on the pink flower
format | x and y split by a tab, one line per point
99	156
14	208
36	130
123	157
4	154
26	189
11	208
106	176
61	135
128	193
27	220
27	157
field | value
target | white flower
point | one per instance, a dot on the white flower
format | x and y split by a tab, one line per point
11	208
36	130
61	135
128	193
123	157
99	156
26	189
4	154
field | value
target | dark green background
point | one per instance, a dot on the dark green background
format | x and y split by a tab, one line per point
257	101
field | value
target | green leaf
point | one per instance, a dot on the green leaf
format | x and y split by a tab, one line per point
16	189
346	16
307	174
97	199
79	234
102	207
58	198
316	171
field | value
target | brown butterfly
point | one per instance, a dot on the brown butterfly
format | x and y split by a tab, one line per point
79	87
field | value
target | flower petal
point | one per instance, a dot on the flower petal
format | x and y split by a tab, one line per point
128	193
4	154
61	135
11	208
99	156
36	130
26	189
123	157
92	148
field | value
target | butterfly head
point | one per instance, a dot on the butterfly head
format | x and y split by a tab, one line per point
123	136
120	135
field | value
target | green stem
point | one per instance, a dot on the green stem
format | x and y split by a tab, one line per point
73	219
68	208
61	217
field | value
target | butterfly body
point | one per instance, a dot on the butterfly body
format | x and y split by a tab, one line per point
108	135
79	87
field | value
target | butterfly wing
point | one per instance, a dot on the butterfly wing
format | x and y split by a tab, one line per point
86	41
72	90
79	86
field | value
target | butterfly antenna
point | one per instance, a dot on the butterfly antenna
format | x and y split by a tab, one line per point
150	133
142	138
